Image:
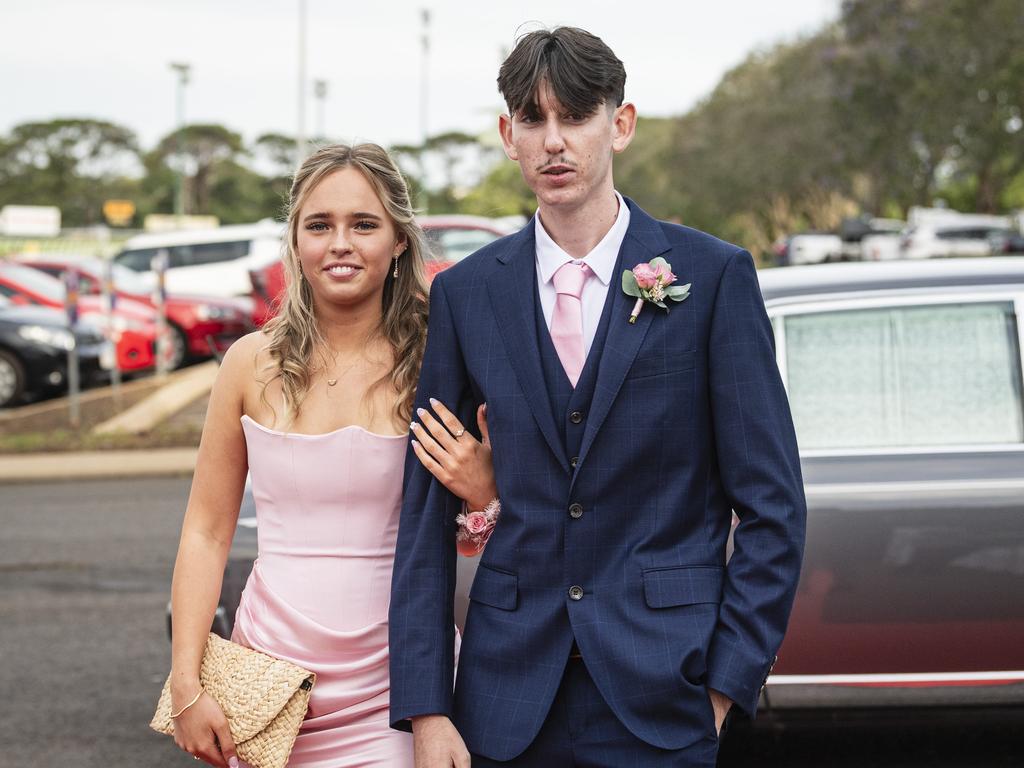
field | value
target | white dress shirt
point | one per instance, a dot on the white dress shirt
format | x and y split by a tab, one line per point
601	261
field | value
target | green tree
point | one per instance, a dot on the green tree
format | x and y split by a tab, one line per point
73	163
200	152
930	94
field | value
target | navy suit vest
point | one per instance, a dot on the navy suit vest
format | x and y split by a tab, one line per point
571	406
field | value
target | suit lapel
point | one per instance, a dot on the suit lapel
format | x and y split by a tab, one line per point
644	241
513	288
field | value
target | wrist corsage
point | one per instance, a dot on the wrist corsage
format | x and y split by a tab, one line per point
650	282
475	528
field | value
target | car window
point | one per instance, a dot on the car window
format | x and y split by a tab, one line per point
137	260
905	376
208	253
35	281
456	243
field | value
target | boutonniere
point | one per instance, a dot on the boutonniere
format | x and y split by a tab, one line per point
652	282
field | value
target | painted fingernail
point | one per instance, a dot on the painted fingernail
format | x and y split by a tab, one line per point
414	443
412	425
433	401
420	411
232	762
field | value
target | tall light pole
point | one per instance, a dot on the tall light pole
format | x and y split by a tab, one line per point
183	70
320	92
300	136
424	74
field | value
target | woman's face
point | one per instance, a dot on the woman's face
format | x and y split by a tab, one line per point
346	241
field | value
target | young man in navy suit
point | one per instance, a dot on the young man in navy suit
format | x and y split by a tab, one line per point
606	627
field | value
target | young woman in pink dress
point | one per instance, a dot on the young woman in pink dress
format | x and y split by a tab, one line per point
316	406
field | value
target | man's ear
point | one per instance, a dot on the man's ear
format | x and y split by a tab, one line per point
505	131
623	126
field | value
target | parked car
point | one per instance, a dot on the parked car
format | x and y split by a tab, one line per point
951	238
134	324
1007	242
34	344
201	325
451	239
813	248
905	382
870	239
206	261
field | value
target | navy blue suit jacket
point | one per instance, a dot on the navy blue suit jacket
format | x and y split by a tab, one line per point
688	422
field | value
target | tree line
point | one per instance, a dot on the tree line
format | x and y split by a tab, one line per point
898	103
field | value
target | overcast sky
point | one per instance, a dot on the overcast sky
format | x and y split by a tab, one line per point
109	59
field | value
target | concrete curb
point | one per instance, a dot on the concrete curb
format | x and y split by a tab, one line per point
186	388
36	467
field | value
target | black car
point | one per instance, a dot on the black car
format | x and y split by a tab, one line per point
905	380
34	343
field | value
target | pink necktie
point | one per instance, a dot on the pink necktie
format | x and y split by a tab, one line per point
567	320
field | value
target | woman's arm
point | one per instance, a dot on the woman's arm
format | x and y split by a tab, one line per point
206	535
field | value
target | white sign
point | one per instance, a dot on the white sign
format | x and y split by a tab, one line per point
30	221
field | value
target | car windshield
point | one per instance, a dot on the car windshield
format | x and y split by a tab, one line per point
34	281
129	281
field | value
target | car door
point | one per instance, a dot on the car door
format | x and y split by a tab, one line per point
908	412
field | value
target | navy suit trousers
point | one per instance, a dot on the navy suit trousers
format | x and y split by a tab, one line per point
581	731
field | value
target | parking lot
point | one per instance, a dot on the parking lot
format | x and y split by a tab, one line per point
84	579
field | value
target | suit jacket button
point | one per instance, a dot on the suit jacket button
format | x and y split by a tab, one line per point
574	461
576	417
575	592
575	511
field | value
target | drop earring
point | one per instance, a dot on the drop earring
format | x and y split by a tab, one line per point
395	273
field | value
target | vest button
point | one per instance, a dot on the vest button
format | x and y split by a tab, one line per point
575	592
576	417
575	511
574	461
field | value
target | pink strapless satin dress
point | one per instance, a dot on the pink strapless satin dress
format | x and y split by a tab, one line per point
327	509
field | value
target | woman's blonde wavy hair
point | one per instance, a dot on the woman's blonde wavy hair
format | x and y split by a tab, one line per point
295	337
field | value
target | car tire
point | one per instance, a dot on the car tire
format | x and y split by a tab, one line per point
179	348
12	379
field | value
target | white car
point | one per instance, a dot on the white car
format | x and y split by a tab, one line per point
207	261
941	233
814	248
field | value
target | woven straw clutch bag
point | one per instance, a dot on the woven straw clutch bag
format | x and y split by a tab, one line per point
263	698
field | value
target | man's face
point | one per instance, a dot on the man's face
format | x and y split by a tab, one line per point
565	158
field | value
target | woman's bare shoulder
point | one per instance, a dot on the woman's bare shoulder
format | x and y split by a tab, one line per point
246	357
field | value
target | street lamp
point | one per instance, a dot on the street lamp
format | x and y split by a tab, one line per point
183	71
424	77
300	137
320	92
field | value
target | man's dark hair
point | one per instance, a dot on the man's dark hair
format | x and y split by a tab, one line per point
582	71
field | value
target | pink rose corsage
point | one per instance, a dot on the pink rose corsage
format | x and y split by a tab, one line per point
650	282
475	528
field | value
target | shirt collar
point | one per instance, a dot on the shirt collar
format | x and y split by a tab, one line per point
601	259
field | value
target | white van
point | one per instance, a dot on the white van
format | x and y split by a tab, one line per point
940	232
207	261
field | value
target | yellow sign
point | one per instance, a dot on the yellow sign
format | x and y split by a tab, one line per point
119	213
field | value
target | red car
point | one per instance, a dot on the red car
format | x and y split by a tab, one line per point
451	239
134	324
201	326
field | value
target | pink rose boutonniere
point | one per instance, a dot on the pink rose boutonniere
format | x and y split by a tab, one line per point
652	282
475	528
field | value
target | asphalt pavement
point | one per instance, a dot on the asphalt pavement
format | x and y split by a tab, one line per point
85	572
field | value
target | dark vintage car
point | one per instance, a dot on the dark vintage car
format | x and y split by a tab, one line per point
34	344
905	382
